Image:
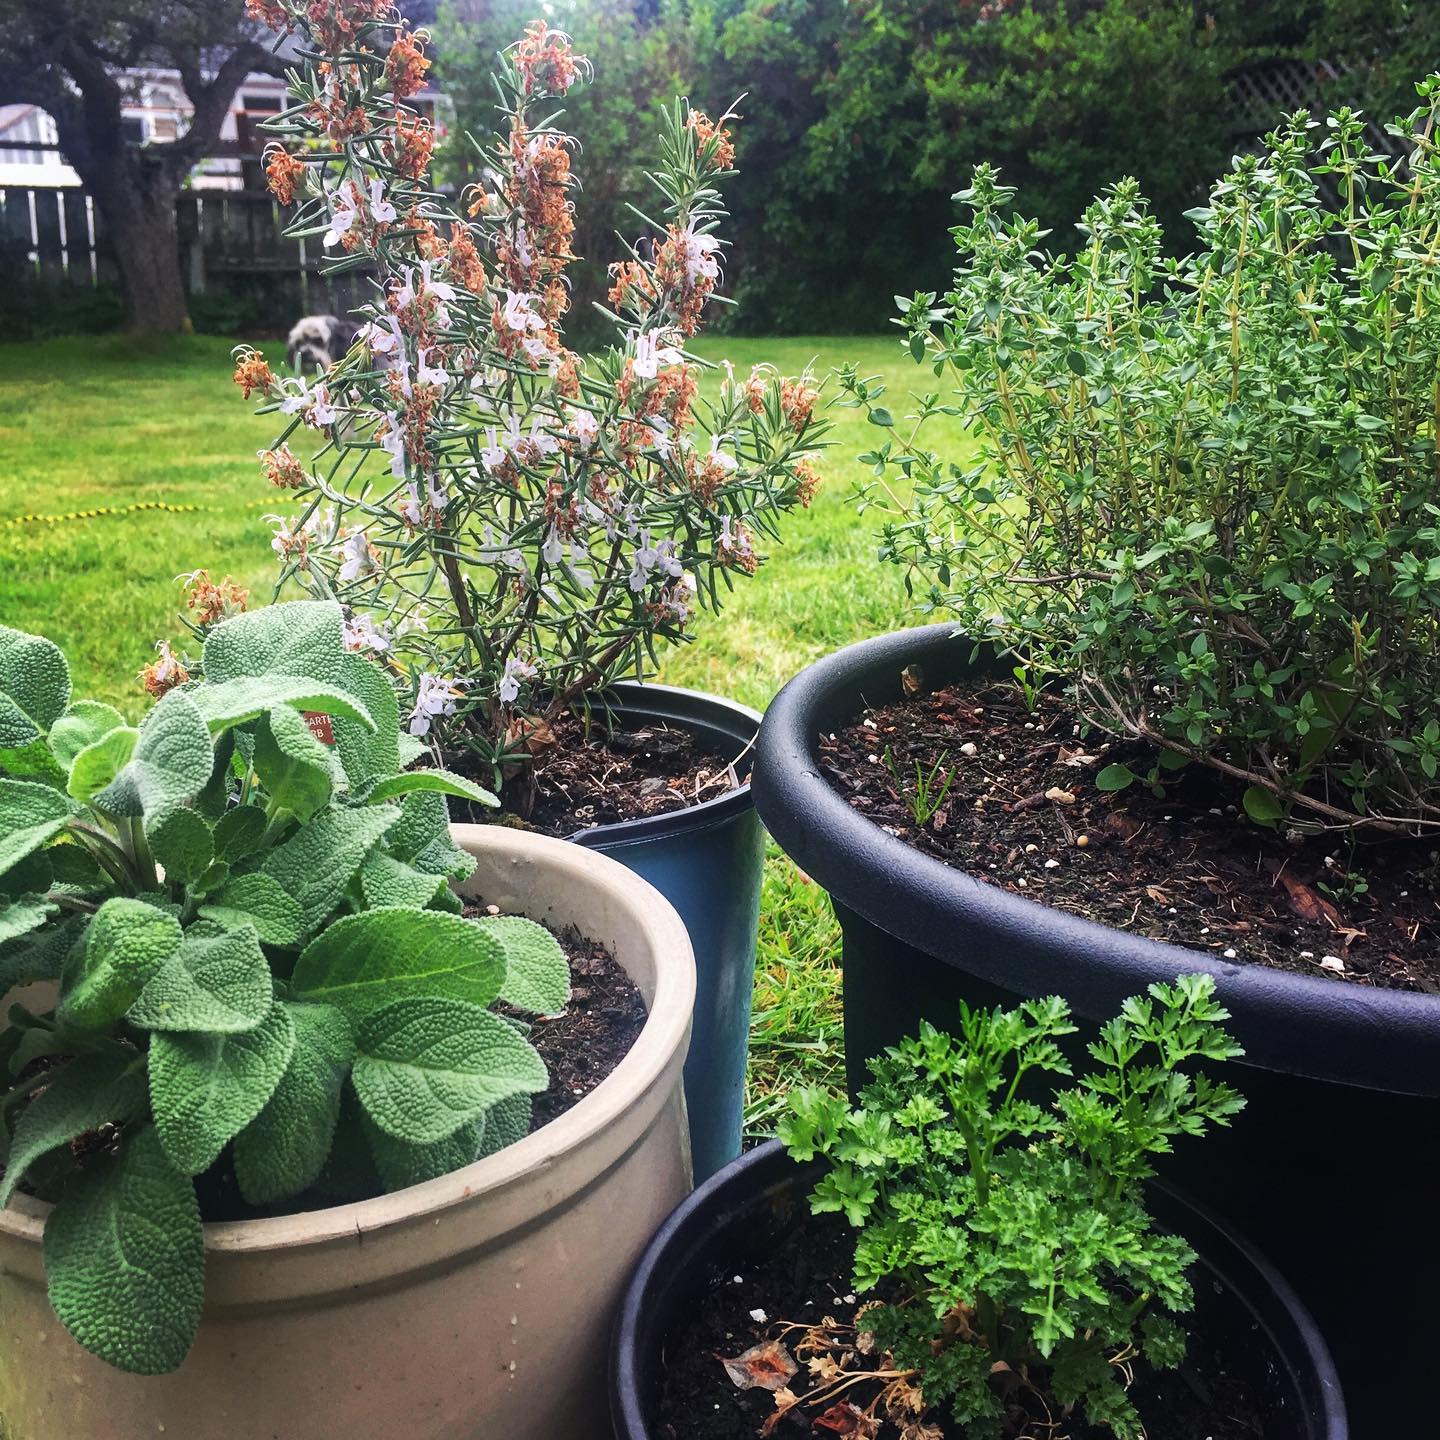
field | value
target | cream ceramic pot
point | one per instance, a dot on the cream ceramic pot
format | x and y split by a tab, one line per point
477	1305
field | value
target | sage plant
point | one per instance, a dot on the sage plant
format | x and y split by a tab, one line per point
258	970
510	524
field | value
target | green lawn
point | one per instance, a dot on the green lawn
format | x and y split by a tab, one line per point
114	422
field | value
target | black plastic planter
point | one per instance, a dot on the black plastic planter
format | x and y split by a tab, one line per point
1325	1168
723	1222
707	862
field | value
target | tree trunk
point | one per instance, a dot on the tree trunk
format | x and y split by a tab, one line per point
137	198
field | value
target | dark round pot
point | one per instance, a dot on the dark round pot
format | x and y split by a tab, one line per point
1342	1083
707	861
726	1220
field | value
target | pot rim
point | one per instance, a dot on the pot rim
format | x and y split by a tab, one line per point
679	705
657	1049
703	1213
1324	1029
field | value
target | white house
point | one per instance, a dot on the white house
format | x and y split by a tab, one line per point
156	109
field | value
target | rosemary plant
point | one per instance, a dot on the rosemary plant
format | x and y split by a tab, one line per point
510	524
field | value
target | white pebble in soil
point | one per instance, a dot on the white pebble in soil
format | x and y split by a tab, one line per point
758	1316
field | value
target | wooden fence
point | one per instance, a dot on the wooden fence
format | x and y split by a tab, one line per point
231	242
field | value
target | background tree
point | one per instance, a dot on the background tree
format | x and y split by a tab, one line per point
865	119
70	57
860	121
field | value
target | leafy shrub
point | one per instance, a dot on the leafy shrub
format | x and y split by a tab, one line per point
32	308
233	311
259	961
1207	496
544	521
862	119
1019	1237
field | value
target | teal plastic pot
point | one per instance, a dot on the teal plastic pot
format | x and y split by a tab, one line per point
707	862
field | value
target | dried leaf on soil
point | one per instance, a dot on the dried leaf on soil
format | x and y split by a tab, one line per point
903	1401
842	1418
1306	903
766	1366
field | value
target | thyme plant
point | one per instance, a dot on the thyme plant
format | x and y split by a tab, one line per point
1207	488
511	524
244	906
1014	1240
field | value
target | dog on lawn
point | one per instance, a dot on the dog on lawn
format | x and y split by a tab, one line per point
316	342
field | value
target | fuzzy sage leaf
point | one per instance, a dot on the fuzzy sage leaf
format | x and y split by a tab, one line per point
427	1065
34	687
537	974
127	943
363	962
216	983
205	1088
125	1258
283	1149
81	1096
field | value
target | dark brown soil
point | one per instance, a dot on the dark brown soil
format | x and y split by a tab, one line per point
603	1020
1022	811
799	1276
582	780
